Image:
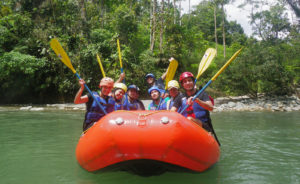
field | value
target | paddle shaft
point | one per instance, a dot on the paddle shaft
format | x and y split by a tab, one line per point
101	67
103	110
120	58
213	131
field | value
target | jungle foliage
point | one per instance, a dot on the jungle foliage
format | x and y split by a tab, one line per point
150	32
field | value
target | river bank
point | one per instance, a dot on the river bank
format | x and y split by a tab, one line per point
240	103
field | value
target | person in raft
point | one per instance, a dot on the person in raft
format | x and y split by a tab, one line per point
119	96
175	103
93	111
198	110
133	98
151	81
157	103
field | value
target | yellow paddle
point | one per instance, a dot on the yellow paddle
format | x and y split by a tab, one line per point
120	58
60	52
100	64
171	71
206	60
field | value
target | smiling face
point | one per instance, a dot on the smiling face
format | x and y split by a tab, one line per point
173	92
119	93
133	94
188	84
150	80
155	94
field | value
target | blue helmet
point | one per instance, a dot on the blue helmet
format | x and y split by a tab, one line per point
154	88
133	86
150	75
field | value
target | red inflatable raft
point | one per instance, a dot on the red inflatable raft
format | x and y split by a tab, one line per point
146	143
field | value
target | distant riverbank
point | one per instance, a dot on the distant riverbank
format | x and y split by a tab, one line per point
240	103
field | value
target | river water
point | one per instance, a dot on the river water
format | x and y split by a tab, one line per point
257	148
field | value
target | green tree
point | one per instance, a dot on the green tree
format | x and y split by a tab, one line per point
271	24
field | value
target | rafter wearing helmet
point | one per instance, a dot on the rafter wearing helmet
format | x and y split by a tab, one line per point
198	110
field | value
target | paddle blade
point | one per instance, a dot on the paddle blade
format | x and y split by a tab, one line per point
226	64
171	71
100	64
206	60
60	52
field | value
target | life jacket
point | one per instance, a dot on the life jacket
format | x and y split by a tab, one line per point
161	106
196	111
94	113
170	103
122	105
133	106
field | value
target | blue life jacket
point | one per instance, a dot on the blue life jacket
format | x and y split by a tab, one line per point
161	106
184	103
94	113
133	106
170	104
123	104
195	111
200	112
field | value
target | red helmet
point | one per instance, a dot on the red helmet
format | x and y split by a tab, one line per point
185	75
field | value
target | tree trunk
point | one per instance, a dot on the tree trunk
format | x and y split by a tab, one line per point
53	12
153	25
82	10
161	27
174	8
83	17
150	10
223	27
189	10
294	6
215	20
102	12
180	12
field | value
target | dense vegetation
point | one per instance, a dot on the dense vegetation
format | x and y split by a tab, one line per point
150	32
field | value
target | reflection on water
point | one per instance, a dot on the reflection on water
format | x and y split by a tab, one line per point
39	147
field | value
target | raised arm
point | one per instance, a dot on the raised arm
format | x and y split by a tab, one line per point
121	78
163	77
79	99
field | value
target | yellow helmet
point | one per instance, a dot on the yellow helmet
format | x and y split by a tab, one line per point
121	86
173	84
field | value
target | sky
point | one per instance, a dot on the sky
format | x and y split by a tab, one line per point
233	13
